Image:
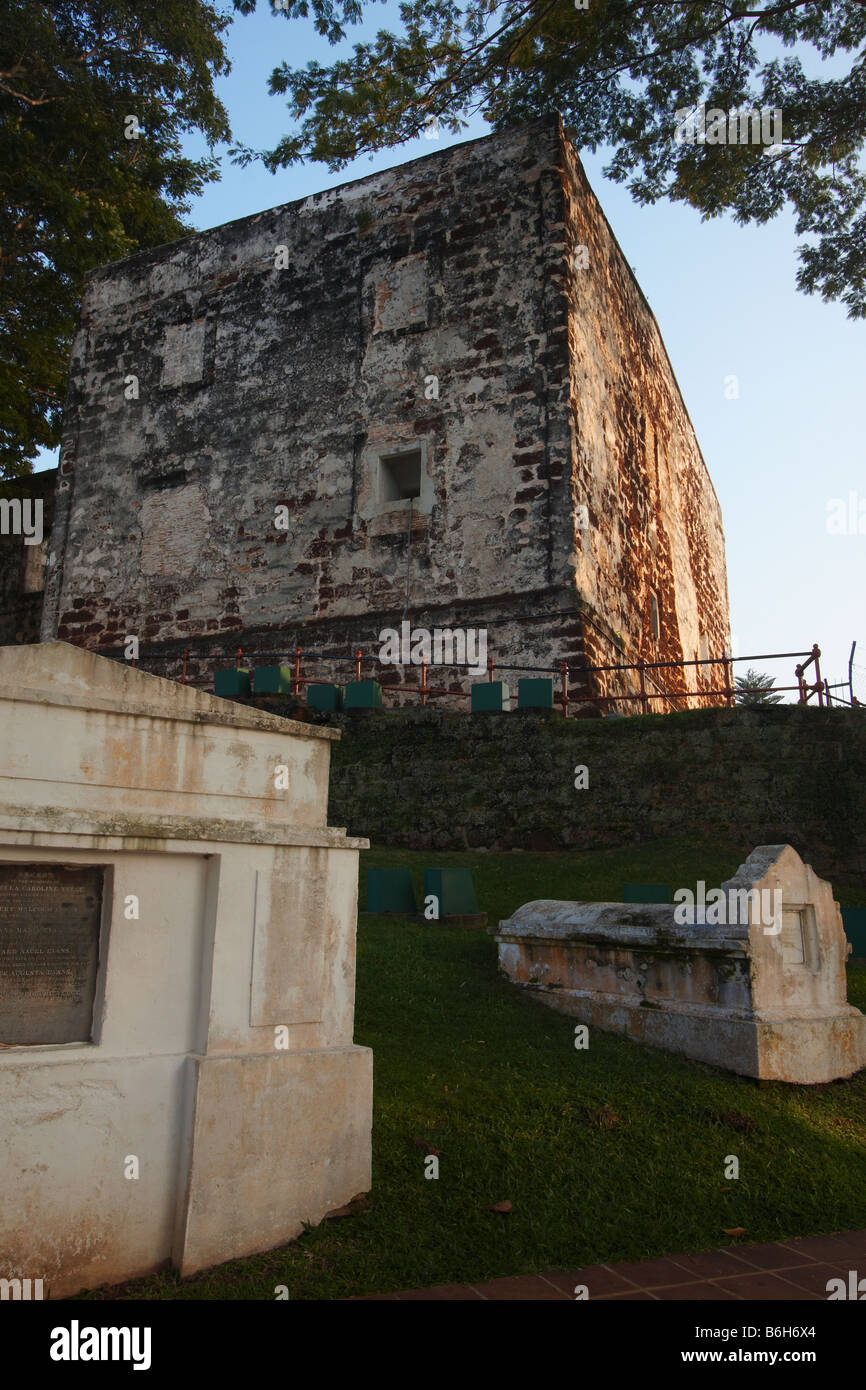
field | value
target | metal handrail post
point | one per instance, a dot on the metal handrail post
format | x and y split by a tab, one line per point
816	653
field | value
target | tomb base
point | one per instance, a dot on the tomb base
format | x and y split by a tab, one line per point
278	1140
803	1051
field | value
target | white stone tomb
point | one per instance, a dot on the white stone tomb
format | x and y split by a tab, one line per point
178	1080
762	994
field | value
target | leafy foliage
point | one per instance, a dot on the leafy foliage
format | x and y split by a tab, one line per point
618	71
77	192
755	689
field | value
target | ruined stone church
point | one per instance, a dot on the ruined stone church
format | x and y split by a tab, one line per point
436	392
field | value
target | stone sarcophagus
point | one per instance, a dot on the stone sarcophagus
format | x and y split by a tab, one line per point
749	977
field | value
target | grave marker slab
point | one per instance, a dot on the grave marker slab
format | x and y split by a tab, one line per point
325	697
455	892
390	890
534	693
363	695
490	695
854	922
272	680
231	682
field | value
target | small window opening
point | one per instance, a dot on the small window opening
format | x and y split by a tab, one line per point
400	476
655	626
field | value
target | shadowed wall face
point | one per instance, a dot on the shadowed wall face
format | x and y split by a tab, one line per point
430	780
23	558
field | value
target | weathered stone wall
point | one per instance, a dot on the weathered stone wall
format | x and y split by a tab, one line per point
261	387
22	567
427	779
655	522
424	307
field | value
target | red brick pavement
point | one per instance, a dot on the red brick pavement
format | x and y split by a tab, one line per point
786	1271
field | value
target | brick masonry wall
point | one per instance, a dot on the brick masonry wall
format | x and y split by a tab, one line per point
427	779
260	387
263	387
329	645
655	521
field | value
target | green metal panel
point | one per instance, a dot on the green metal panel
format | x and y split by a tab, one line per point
534	693
490	695
646	893
325	697
390	890
454	889
363	695
231	682
272	680
854	922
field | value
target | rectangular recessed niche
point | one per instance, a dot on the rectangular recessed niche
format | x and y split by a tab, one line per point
400	476
49	952
793	941
160	479
799	936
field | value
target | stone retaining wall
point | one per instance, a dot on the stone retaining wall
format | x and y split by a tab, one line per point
430	780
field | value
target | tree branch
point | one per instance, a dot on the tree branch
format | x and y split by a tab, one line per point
31	101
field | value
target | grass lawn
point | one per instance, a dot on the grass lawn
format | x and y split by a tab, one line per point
617	1152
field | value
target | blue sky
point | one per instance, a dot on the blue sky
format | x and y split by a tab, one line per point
726	303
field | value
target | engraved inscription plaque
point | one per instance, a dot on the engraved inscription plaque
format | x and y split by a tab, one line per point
49	952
